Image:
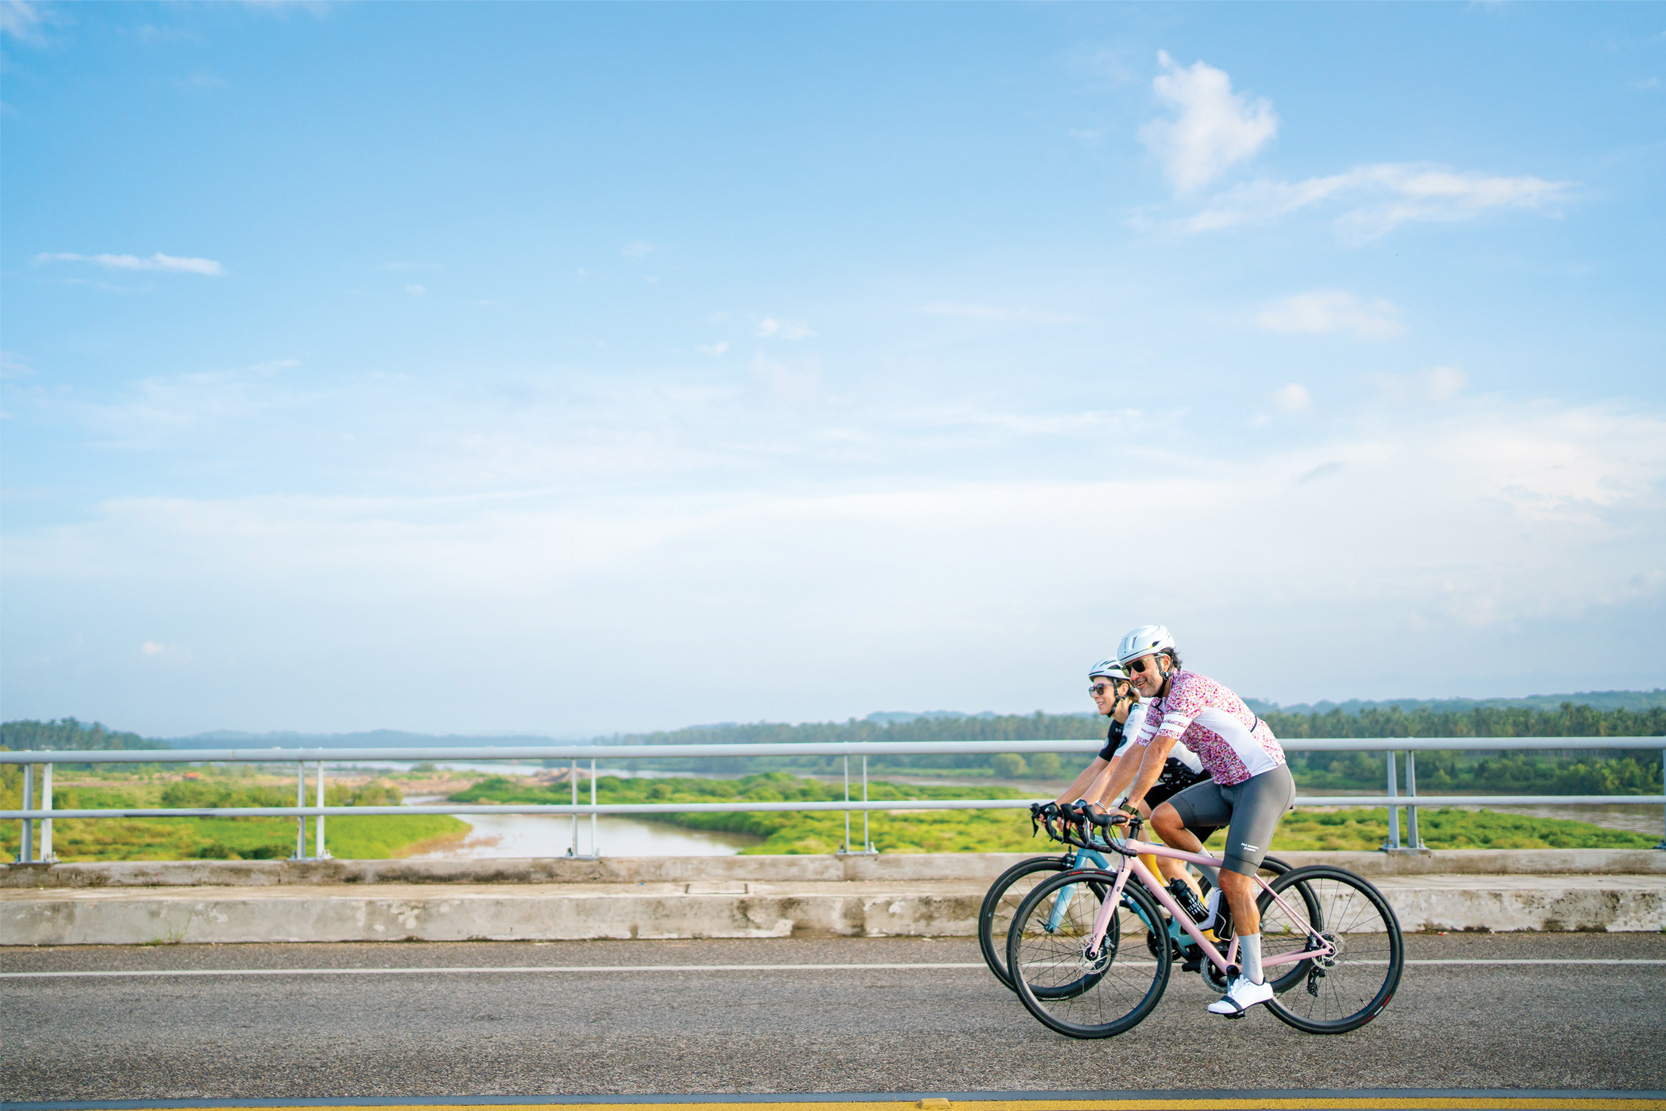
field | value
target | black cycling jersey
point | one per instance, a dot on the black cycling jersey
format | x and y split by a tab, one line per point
1113	740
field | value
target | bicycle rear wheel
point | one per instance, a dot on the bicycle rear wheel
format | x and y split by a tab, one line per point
1078	992
1344	991
1001	903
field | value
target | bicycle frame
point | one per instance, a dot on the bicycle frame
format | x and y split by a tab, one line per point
1129	849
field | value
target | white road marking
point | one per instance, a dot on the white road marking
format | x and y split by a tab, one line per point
482	969
617	968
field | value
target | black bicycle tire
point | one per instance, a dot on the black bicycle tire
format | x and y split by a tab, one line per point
992	956
1035	1002
1313	874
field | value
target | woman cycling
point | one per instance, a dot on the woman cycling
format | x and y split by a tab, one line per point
1114	698
1251	787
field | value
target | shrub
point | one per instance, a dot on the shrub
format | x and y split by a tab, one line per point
1008	765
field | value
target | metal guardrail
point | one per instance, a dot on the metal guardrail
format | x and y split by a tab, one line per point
1391	746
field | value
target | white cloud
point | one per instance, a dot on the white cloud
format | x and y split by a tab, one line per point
1213	128
545	566
717	348
21	20
797	382
155	410
159	261
638	249
203	81
1331	310
416	290
1441	383
998	315
1120	421
1293	398
1444	383
771	328
1379	198
166	653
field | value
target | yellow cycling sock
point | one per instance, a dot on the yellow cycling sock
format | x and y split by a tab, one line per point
1151	862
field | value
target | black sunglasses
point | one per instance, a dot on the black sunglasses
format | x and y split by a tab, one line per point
1101	688
1138	666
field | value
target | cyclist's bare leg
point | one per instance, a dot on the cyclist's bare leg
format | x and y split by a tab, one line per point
1166	821
1165	867
1240	896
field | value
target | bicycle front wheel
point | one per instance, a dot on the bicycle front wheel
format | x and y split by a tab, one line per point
1070	984
1002	902
1320	905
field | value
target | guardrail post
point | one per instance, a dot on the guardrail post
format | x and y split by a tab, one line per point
1416	841
572	774
1393	843
1662	844
594	851
319	852
300	822
847	799
26	847
867	841
46	823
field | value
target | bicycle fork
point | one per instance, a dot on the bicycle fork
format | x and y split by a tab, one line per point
1062	903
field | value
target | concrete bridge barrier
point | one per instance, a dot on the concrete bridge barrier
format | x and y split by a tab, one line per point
921	895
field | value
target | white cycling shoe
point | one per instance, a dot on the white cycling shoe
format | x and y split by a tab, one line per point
1240	997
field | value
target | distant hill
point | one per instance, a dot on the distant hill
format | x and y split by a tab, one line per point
374	738
894	717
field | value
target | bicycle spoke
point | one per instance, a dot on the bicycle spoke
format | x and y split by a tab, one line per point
1075	988
1320	907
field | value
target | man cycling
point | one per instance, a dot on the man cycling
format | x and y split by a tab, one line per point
1104	779
1249	792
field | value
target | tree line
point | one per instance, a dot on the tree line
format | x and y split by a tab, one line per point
67	733
1567	720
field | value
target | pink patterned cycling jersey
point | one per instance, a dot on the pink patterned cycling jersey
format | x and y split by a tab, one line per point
1213	722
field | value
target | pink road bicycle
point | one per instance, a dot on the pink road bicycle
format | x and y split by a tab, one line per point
1089	952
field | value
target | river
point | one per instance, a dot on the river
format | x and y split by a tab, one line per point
502	836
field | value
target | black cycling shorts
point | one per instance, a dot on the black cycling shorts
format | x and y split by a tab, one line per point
1177	777
1251	810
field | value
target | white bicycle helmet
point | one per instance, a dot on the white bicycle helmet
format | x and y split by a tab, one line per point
1107	669
1143	641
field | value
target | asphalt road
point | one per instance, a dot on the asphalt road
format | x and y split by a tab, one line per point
624	1030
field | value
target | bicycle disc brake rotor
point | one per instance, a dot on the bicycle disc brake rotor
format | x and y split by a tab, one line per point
1093	963
1334	958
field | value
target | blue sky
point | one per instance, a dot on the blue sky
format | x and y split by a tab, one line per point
573	368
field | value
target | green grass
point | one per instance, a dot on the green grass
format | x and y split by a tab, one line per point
1450	829
372	837
1009	830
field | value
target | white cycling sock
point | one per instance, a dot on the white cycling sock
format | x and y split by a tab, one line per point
1212	905
1214	874
1249	956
